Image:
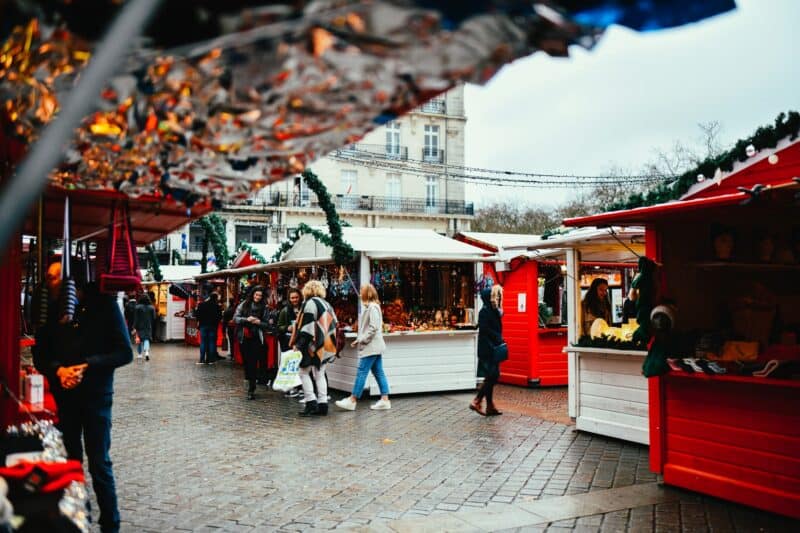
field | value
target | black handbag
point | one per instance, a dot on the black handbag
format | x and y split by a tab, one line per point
500	353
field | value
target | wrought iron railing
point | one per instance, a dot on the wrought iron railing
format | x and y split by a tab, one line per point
437	105
352	202
432	155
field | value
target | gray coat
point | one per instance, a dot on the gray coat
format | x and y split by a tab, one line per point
370	331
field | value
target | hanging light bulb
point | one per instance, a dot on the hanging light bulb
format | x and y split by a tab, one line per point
700	178
750	150
773	159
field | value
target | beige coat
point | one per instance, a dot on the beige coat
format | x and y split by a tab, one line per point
370	331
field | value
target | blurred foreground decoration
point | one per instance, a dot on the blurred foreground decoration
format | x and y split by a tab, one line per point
220	100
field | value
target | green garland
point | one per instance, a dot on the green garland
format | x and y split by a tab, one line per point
176	258
214	229
155	266
786	125
342	252
552	232
244	247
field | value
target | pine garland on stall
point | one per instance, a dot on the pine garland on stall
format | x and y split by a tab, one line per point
342	253
244	247
786	125
214	229
155	265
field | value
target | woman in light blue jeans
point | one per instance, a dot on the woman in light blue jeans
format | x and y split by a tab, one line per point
370	346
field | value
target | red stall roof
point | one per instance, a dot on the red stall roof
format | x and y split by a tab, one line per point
151	217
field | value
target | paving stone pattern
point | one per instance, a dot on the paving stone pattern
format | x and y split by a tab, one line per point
192	454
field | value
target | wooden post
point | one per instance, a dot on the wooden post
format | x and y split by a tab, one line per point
573	327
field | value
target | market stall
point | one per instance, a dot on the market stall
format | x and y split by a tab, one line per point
607	394
535	310
425	282
170	305
723	406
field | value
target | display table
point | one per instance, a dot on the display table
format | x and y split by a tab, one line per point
607	393
733	437
415	362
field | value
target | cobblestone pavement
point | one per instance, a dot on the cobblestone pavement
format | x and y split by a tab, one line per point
191	454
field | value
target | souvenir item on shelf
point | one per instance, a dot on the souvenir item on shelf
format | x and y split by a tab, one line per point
723	240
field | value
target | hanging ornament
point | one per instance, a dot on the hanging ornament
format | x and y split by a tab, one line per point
325	282
293	283
700	178
773	159
750	150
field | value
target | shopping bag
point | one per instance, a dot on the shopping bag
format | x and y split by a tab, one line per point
288	371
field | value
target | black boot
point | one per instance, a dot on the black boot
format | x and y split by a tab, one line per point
311	408
322	409
251	390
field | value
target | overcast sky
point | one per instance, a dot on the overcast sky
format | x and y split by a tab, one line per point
633	93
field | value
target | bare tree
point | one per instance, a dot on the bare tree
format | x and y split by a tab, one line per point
510	218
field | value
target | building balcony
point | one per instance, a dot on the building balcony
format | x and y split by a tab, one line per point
375	151
352	202
432	155
435	105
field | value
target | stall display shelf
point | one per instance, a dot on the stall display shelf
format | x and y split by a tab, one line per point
415	362
766	267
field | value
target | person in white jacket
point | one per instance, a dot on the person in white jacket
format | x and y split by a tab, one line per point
370	346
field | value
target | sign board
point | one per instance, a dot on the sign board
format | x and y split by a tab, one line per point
521	302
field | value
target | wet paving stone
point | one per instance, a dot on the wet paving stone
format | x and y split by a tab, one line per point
192	454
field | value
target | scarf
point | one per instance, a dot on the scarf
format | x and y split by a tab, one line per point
317	321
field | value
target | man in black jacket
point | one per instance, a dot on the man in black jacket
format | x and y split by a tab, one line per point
79	359
208	317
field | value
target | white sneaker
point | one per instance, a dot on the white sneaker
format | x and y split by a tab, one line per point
381	405
139	356
346	403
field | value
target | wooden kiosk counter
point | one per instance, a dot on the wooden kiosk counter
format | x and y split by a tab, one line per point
731	260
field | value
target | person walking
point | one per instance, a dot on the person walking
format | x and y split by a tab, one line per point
490	335
370	346
315	338
228	326
286	321
208	317
79	358
143	326
251	321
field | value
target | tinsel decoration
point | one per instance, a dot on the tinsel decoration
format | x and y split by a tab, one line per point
342	252
244	247
612	343
155	265
786	125
214	228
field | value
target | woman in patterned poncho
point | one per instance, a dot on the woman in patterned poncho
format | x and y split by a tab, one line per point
315	338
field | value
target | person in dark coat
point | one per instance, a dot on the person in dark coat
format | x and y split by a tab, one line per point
251	321
490	334
78	359
208	317
143	325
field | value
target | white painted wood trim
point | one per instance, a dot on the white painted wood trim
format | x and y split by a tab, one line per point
607	351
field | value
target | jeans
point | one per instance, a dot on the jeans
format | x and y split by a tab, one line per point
144	346
319	379
208	344
375	364
90	418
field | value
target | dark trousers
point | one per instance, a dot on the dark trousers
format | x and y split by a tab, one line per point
253	353
208	344
88	422
487	389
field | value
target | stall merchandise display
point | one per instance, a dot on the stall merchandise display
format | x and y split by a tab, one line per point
425	296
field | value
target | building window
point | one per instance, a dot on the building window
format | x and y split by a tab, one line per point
393	139
196	236
349	189
432	194
300	194
250	234
393	192
435	105
430	152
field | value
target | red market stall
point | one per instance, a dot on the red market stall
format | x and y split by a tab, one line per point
151	218
534	310
730	250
